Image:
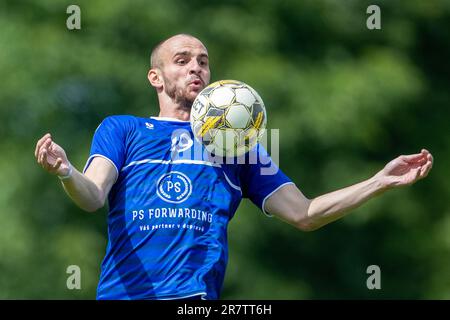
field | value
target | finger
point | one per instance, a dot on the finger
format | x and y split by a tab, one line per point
412	157
429	168
57	164
44	143
422	161
45	161
47	144
429	163
40	143
427	154
425	170
51	148
41	159
44	157
417	173
41	156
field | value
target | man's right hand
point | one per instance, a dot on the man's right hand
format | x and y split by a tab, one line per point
51	156
88	190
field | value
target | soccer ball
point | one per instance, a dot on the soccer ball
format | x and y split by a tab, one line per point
228	117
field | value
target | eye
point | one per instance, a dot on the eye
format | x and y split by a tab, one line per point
181	61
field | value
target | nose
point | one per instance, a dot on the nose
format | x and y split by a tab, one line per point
195	67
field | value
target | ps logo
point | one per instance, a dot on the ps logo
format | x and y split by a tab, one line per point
174	187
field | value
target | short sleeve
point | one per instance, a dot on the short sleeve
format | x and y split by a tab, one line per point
260	177
109	142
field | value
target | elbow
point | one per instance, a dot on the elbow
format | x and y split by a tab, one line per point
92	208
94	205
303	221
99	202
306	223
306	226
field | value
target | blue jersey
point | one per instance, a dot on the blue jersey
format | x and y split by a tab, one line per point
169	208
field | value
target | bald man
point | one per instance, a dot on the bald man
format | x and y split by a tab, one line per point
168	213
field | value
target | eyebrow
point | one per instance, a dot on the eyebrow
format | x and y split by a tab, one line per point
187	53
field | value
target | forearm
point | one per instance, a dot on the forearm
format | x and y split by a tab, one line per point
83	191
289	203
334	205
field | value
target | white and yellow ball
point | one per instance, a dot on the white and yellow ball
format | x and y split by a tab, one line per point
228	117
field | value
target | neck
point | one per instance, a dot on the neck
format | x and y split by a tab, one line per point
171	109
176	114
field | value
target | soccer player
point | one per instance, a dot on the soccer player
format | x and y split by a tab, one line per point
168	213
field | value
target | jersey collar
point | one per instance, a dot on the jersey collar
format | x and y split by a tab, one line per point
169	119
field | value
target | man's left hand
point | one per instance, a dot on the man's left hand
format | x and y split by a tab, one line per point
406	170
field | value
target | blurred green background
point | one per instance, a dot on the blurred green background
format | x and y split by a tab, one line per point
347	100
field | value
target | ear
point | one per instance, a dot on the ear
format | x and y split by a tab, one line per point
155	78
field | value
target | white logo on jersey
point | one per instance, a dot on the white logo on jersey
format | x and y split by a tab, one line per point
174	187
181	141
149	125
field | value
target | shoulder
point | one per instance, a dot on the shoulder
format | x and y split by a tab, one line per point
125	122
256	157
121	119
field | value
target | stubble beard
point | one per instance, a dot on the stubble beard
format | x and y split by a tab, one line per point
179	96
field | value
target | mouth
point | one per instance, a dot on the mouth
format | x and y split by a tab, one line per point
196	84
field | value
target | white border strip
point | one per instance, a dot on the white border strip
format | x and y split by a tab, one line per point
264	201
203	294
201	162
169	119
89	160
232	184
